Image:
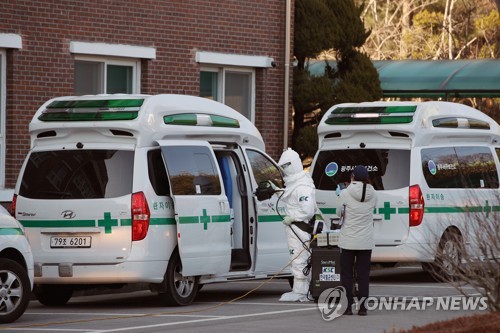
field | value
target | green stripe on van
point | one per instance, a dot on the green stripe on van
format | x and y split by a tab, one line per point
189	219
57	223
202	219
221	218
88	223
10	231
387	211
152	221
269	218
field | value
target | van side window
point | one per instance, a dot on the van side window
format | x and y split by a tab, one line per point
459	167
157	173
263	169
478	167
192	170
440	167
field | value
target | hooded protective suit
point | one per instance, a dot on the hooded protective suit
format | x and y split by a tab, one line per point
299	203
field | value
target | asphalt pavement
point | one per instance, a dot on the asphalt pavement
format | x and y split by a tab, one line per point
251	306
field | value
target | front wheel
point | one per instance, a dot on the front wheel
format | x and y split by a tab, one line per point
15	290
179	290
53	294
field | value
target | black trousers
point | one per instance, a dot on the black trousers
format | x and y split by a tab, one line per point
359	260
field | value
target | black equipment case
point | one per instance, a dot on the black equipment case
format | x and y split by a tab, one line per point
325	271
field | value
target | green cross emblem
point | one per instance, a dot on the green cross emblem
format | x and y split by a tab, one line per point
107	223
387	210
205	219
487	208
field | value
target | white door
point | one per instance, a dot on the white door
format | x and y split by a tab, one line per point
202	210
272	247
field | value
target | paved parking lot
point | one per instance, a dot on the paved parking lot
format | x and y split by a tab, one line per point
225	308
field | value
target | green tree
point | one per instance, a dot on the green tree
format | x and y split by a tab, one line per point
334	26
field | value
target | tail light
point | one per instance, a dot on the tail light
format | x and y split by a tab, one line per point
13	205
416	206
140	216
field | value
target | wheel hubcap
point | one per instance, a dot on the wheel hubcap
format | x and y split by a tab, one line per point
450	258
184	285
10	291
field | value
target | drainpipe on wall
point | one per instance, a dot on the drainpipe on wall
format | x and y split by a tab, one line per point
287	72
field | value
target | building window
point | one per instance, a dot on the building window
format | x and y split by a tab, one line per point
238	92
106	76
209	84
232	86
102	68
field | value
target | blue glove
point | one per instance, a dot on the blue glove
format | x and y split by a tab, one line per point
288	220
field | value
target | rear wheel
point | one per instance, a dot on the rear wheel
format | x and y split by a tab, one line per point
15	290
447	265
179	289
53	294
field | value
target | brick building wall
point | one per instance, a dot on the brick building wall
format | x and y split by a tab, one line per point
44	67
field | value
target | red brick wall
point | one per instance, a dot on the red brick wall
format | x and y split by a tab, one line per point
43	68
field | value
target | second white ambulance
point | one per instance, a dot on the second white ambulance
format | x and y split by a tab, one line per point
435	167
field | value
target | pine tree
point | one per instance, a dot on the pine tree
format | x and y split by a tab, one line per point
328	25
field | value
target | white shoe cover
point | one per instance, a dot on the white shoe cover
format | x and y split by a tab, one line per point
299	292
293	297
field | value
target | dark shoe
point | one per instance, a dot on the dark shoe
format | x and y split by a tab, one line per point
348	312
362	312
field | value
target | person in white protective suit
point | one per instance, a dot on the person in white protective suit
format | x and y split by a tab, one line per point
299	202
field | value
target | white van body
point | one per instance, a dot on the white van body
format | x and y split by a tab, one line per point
434	166
121	189
16	268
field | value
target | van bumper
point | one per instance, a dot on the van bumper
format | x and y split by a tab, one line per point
127	272
416	252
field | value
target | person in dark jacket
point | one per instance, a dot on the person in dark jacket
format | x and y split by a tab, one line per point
356	235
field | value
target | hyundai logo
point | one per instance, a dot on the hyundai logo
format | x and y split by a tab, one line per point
68	214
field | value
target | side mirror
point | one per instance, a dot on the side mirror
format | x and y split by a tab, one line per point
265	190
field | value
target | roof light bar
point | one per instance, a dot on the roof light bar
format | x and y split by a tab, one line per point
372	115
193	119
92	110
455	122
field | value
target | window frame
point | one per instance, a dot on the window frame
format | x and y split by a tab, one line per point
105	61
221	83
459	155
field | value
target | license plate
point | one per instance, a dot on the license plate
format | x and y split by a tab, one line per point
70	242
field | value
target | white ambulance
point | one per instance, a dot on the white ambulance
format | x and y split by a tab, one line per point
435	168
121	189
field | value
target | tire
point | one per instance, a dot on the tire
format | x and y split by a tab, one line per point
179	290
53	294
446	266
15	290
